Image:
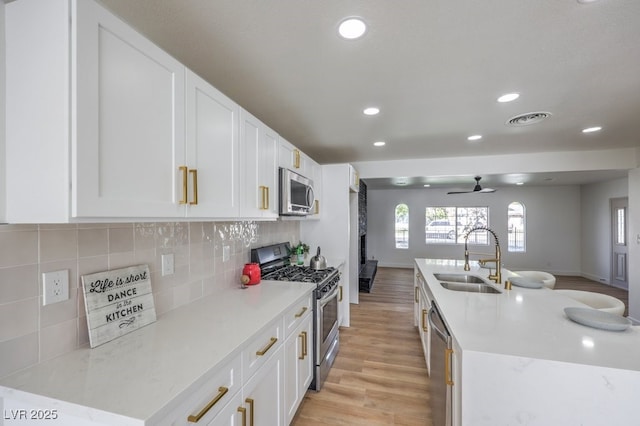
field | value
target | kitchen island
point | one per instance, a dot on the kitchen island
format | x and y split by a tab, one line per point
519	360
154	375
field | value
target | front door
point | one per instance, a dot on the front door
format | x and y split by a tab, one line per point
619	246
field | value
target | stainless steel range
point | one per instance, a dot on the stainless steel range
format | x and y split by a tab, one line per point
274	265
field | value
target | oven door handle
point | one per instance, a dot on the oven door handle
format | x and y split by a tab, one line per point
326	299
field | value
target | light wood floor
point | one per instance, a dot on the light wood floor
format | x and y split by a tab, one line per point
379	377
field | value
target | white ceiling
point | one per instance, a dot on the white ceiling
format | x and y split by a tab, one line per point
434	68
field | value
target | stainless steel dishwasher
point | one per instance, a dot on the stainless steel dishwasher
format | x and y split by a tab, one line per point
440	381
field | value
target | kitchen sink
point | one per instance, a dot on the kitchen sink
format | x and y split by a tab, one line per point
459	278
470	287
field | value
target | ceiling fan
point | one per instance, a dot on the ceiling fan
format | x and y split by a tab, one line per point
476	188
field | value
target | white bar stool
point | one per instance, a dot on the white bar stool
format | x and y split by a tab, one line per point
601	302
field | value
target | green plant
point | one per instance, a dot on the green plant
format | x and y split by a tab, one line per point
300	248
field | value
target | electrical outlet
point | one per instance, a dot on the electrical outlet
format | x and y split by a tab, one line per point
167	264
55	287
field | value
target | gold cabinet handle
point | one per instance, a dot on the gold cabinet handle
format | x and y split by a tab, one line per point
340	294
221	392
299	314
296	161
303	347
250	402
264	193
416	295
244	415
185	188
194	177
424	320
266	348
306	344
448	353
317	206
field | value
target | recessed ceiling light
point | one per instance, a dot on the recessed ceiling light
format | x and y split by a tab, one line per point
474	138
371	111
592	129
519	183
586	1
379	143
426	185
508	97
352	28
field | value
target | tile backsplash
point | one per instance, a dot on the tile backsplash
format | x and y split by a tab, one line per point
31	333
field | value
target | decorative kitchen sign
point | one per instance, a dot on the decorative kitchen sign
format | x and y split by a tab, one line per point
117	302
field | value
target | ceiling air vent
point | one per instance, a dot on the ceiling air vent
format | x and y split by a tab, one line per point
528	118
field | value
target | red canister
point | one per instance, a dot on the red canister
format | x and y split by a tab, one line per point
251	274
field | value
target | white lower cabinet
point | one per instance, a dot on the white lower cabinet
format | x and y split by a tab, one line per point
421	313
298	361
208	400
229	415
424	328
264	383
456	376
262	394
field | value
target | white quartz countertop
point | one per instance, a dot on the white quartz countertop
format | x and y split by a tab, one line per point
526	322
138	374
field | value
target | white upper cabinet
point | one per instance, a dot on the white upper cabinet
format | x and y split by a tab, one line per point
129	118
117	127
97	116
293	159
259	169
354	179
208	181
316	176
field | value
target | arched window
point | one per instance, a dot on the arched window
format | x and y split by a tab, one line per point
516	227
402	226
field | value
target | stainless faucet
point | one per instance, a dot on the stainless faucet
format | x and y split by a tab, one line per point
497	277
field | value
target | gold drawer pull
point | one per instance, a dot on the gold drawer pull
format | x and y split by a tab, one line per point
317	206
424	320
340	294
185	188
221	392
416	296
244	415
266	349
303	352
299	314
250	402
194	177
447	366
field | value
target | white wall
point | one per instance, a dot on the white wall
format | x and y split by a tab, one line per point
596	227
552	220
634	246
2	108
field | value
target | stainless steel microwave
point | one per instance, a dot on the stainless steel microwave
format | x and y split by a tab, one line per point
296	194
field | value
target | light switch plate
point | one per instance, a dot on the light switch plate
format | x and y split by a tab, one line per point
167	264
55	287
